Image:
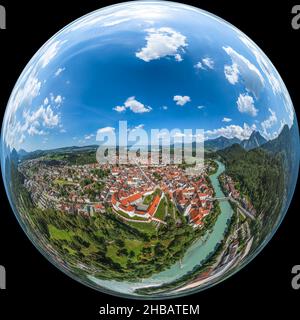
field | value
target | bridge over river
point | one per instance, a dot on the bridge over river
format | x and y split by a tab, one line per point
229	198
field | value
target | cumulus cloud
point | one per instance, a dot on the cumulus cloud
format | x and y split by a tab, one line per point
32	131
119	108
134	105
245	104
162	42
58	100
242	67
35	123
181	100
178	57
269	123
208	62
165	108
226	119
205	63
200	107
45	114
26	92
231	131
199	65
232	73
106	130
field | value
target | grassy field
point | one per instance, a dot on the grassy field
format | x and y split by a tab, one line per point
112	252
148	228
160	213
57	234
62	182
147	200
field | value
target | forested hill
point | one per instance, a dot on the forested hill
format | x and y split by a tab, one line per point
286	146
260	176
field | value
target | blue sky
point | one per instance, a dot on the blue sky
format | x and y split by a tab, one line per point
155	65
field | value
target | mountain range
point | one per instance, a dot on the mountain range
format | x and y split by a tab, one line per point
254	141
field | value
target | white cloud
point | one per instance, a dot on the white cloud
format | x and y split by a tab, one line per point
140	126
199	65
271	74
232	73
208	62
24	95
33	131
181	100
162	42
30	90
165	107
114	23
241	66
50	119
245	104
50	52
145	12
226	119
59	71
178	57
62	130
205	63
200	107
119	108
44	116
58	100
22	139
269	123
88	136
178	135
134	105
106	130
264	64
231	131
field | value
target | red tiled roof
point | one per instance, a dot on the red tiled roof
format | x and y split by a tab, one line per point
153	206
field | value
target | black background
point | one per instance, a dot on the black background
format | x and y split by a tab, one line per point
36	289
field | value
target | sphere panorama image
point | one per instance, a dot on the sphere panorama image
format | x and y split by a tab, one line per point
150	150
